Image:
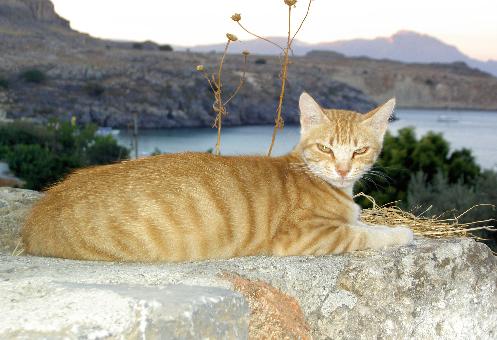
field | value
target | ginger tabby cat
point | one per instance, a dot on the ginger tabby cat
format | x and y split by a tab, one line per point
196	206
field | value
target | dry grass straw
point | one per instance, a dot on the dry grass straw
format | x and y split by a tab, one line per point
18	250
438	226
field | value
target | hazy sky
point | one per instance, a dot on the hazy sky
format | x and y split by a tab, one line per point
470	25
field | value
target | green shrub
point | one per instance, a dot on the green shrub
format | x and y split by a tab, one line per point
462	167
4	150
34	76
15	133
260	61
404	156
156	152
446	199
94	89
34	164
440	195
43	155
166	48
137	46
105	150
4	83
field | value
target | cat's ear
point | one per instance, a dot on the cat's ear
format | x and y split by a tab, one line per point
311	113
378	118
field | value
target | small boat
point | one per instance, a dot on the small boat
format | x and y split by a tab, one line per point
107	131
447	119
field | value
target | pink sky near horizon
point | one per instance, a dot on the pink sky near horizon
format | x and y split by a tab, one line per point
470	27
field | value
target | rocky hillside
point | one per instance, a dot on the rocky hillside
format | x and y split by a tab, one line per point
415	85
105	82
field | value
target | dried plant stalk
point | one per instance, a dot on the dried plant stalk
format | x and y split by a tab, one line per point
433	227
242	78
219	108
216	86
279	123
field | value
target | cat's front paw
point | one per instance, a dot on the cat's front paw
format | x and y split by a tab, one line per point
403	235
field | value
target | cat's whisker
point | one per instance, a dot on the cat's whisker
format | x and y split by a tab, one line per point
383	176
370	180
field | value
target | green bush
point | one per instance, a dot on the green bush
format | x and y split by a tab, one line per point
462	167
439	196
4	83
156	152
34	164
34	76
404	156
15	133
166	48
94	89
260	61
105	150
137	46
445	199
43	155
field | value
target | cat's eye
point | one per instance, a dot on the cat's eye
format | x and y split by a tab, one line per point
324	148
361	151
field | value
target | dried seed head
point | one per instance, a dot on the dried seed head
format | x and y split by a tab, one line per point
290	2
245	52
200	68
236	17
231	37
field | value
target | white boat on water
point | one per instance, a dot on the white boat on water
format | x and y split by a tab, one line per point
447	119
107	131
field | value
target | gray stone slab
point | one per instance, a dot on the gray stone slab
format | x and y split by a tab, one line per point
31	309
432	289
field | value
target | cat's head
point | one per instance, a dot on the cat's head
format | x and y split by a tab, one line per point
340	146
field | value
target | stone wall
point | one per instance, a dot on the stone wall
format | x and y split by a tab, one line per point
432	289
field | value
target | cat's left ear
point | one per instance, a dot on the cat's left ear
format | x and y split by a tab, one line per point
378	118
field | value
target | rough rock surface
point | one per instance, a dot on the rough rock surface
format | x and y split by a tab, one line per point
14	204
432	289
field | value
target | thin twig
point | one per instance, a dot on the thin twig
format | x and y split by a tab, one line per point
258	36
302	22
219	108
278	123
242	80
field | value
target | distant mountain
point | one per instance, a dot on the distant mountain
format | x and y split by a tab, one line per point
405	46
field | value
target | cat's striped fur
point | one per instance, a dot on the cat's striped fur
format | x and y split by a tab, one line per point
195	206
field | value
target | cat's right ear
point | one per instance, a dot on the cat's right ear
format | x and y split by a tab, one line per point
311	113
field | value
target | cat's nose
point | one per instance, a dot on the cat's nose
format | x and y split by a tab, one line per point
343	172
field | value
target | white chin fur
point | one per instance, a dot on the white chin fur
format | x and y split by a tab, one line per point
342	183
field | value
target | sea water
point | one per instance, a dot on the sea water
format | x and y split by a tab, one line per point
475	130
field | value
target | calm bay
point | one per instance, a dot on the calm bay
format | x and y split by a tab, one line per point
475	130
